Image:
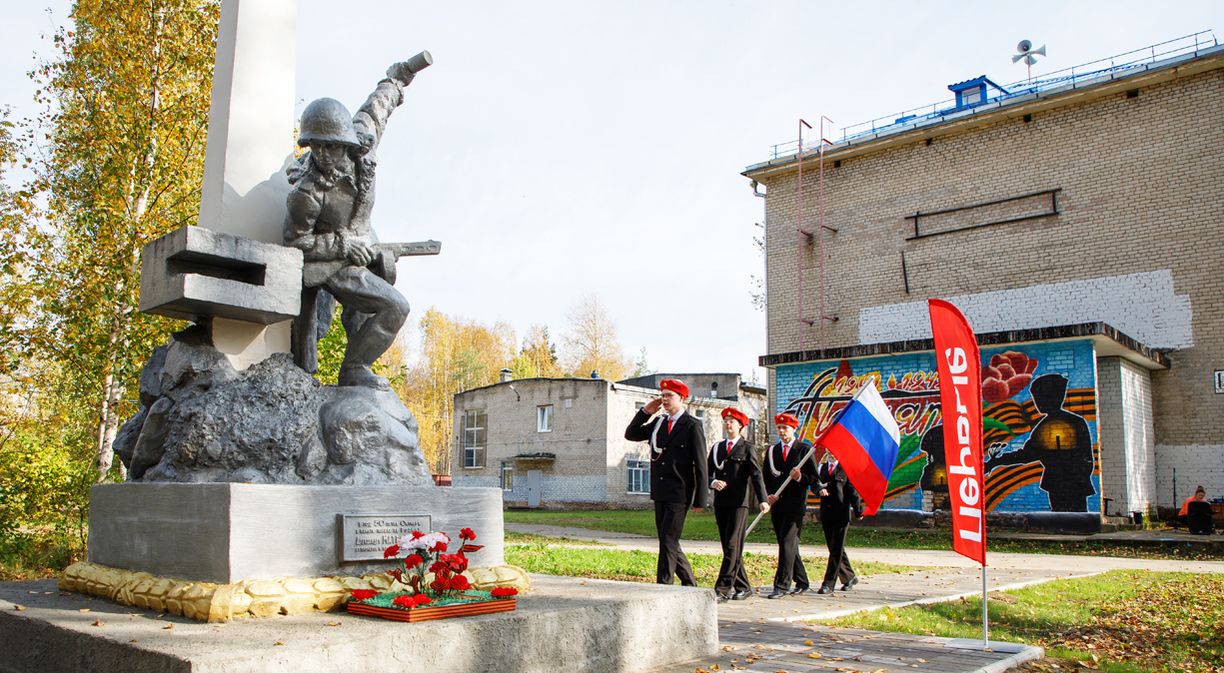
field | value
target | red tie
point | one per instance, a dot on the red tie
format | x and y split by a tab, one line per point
785	450
670	422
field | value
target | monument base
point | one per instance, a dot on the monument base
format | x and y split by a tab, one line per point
563	624
211	602
232	532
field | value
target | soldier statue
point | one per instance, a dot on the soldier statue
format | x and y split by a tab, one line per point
329	221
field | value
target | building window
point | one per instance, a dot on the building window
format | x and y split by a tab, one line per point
474	428
507	476
638	405
971	96
700	414
638	474
544	416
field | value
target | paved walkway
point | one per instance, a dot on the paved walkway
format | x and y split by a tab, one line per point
912	557
771	635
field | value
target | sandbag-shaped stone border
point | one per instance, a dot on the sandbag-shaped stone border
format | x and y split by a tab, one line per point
211	602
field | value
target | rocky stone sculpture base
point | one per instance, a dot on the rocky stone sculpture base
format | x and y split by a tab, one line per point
210	602
225	532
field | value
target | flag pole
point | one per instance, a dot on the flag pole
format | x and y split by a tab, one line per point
776	493
985	617
805	459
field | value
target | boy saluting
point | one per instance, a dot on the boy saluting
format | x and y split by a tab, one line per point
678	478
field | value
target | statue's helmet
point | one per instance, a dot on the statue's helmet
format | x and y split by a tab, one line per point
326	120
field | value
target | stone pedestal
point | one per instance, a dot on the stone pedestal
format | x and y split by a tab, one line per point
563	624
229	532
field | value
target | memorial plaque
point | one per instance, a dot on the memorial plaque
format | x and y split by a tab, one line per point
363	537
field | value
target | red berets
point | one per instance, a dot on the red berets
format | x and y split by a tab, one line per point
732	412
786	419
676	386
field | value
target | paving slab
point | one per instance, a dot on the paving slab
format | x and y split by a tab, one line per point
893	590
799	648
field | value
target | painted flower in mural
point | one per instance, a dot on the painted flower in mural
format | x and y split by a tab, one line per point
1007	374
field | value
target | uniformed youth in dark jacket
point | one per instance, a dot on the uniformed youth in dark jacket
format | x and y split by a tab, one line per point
733	472
678	478
786	458
839	501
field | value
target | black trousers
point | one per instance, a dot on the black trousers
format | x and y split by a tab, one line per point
669	521
787	526
732	576
835	539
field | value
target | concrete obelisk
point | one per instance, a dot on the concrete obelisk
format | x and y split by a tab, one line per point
250	138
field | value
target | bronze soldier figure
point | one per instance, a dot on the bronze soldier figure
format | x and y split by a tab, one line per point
329	220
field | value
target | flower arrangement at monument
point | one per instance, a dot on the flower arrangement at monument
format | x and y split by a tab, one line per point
439	587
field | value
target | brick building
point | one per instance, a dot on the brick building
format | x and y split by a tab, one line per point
553	442
1078	222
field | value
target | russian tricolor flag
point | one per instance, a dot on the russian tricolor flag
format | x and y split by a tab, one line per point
865	440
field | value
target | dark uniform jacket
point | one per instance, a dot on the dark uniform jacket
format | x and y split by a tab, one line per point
739	470
793	500
842	499
677	458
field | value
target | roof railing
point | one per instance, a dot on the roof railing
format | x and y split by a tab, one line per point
1181	46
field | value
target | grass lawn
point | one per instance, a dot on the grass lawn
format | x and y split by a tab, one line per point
1121	621
639	566
701	526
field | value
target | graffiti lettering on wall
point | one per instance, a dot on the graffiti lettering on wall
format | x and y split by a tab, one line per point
1039	423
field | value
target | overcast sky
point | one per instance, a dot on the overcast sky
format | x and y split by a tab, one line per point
568	148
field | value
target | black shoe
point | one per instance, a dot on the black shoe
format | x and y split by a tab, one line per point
778	594
799	591
850	583
825	589
722	599
741	595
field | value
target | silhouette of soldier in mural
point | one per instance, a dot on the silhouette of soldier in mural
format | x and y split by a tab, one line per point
1061	442
935	474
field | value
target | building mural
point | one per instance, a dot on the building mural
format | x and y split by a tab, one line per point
1039	422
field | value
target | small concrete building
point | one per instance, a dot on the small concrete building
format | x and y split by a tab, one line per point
1078	221
557	442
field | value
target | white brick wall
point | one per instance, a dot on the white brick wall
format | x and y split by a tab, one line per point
1196	464
1140	438
1141	305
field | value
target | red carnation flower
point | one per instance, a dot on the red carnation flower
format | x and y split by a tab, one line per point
504	592
404	601
393	550
438	547
363	594
413	561
467	534
437	567
460	583
416	535
440	584
422	599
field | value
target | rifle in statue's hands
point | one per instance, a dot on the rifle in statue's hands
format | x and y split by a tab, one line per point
389	254
385	257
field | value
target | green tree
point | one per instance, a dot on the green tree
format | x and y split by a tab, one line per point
126	99
456	355
538	357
